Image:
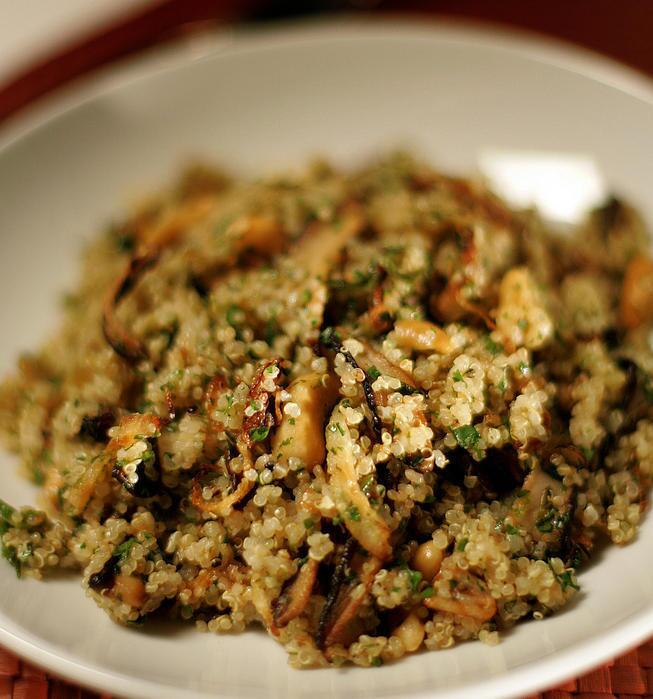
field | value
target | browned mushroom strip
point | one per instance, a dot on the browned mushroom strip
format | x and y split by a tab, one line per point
260	233
319	248
422	336
302	437
371	358
221	507
468	597
545	508
124	344
350	600
260	420
130	429
363	522
476	605
636	303
171	226
295	597
330	339
151	241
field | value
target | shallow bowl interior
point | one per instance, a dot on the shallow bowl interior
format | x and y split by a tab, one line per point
267	101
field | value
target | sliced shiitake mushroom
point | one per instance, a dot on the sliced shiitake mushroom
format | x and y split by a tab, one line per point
296	594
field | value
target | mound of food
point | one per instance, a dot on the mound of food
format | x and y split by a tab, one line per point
372	411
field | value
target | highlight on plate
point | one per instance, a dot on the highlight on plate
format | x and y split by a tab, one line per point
374	412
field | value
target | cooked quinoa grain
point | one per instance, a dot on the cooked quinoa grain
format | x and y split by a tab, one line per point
373	412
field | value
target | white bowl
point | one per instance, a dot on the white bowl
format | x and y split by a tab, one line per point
260	101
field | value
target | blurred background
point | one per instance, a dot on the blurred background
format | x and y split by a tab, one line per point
46	44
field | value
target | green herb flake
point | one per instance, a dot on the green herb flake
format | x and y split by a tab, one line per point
587	453
271	330
309	523
259	434
354	514
373	373
38	476
123	550
566	580
125	242
329	337
462	543
457	376
414	577
231	314
9	554
6	511
26	552
494	348
427	592
467	436
646	383
136	622
545	524
512	530
377	661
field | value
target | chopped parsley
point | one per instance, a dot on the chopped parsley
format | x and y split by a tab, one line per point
494	348
259	434
373	373
647	386
231	315
123	550
271	330
552	520
125	241
329	337
8	552
6	511
566	580
414	577
353	513
309	523
462	543
427	592
457	376
587	453
467	436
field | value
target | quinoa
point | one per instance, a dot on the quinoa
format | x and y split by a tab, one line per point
371	411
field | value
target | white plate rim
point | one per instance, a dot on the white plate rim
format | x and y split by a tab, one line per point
550	670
